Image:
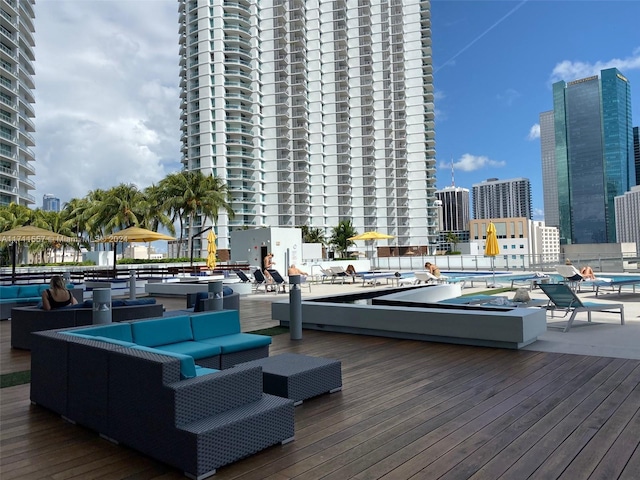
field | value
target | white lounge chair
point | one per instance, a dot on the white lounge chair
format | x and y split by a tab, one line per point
570	274
428	277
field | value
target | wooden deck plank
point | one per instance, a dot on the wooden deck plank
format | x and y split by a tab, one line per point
408	409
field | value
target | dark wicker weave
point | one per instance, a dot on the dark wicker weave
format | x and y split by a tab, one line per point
137	398
228	360
299	377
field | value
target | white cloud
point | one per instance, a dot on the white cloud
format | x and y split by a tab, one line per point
107	95
573	70
470	163
534	132
538	214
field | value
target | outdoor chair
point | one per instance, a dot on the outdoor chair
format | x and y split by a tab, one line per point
563	298
428	277
329	274
570	275
242	276
259	281
279	282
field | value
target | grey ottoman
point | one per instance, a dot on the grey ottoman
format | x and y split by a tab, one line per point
299	377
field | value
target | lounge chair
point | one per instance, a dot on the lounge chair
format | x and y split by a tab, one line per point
330	275
428	277
279	282
242	276
570	275
259	281
563	298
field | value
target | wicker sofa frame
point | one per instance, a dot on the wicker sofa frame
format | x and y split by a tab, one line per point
25	320
137	398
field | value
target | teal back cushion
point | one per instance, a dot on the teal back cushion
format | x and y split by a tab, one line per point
9	292
187	365
27	291
162	331
117	331
215	324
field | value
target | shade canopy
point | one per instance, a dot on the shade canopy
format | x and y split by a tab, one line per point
373	235
135	234
491	249
29	233
211	250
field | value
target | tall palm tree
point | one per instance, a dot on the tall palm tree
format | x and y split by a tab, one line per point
313	235
11	217
75	212
340	236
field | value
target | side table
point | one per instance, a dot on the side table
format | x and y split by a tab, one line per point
299	377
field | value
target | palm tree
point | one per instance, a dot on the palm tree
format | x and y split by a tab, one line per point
11	217
313	235
340	236
75	212
453	239
201	196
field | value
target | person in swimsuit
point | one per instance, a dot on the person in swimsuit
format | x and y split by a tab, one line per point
57	296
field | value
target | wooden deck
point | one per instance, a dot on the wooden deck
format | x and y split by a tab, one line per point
407	410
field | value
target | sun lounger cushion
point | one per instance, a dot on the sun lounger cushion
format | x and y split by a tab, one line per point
238	342
197	350
215	324
164	331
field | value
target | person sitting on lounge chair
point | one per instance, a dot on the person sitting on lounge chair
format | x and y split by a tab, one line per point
293	270
577	276
432	269
587	273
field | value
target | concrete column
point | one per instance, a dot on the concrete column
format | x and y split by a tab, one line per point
101	305
295	307
216	301
132	284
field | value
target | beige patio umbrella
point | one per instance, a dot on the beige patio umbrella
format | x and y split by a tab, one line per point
492	249
211	250
133	235
29	234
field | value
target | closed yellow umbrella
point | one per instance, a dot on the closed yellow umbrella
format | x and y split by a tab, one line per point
492	249
211	250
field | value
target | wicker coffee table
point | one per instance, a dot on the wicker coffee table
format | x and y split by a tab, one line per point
299	377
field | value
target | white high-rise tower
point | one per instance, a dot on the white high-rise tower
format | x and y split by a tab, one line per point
16	99
313	112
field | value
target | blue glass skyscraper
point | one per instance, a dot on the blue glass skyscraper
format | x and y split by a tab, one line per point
593	154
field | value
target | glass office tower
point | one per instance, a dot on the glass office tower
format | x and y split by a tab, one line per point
312	112
594	154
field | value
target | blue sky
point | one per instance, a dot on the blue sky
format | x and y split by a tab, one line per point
107	93
494	63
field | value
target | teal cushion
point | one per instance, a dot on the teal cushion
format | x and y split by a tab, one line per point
117	331
162	331
187	365
31	290
197	350
215	324
239	341
8	292
200	371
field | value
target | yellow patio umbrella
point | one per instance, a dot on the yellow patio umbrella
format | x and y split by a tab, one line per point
211	250
29	234
492	249
372	235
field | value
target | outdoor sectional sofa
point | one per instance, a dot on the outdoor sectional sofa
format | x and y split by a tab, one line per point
25	320
12	296
152	385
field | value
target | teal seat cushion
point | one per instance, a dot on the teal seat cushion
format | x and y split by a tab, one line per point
140	301
215	324
117	331
162	331
187	365
239	341
196	350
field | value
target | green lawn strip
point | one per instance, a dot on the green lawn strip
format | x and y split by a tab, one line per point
15	378
271	331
